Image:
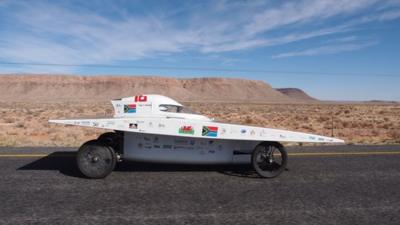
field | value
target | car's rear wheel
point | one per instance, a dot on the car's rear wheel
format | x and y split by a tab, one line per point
111	139
95	159
269	159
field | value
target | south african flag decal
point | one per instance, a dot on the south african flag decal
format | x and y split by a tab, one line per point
131	108
209	131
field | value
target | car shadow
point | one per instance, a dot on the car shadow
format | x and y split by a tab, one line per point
64	162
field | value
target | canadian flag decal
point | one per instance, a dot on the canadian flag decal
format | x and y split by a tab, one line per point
140	98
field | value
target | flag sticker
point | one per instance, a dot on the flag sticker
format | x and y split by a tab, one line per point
141	98
131	108
209	131
186	130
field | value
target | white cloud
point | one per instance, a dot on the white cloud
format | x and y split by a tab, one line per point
303	12
329	49
60	34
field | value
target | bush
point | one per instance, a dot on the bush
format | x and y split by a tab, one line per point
248	120
19	125
9	120
395	135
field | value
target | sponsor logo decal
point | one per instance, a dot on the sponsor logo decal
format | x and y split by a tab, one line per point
181	142
85	123
110	123
209	131
131	108
223	131
141	98
146	138
167	146
133	126
186	130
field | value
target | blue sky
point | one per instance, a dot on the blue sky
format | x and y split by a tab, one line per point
332	49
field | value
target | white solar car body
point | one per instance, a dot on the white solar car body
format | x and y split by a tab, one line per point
155	128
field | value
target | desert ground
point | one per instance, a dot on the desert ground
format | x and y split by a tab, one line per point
25	124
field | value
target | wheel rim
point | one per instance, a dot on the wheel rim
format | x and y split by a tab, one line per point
97	158
269	161
96	161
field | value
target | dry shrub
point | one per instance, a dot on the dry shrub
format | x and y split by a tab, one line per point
375	132
365	125
307	127
395	135
249	120
323	119
346	124
328	126
19	125
9	120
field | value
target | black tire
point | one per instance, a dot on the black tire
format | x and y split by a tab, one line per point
95	159
269	159
111	139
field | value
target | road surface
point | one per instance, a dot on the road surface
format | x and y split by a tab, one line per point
323	185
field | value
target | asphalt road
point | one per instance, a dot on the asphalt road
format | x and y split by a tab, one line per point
323	185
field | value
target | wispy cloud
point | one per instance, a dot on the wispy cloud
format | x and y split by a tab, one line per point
301	12
74	33
325	50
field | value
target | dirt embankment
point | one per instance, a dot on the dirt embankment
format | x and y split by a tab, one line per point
58	88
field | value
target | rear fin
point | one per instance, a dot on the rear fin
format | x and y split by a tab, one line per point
118	108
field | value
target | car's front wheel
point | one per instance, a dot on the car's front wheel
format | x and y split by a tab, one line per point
95	159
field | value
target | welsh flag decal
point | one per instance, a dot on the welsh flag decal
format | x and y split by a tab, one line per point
186	130
209	131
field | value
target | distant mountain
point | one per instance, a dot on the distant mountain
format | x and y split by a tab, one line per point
59	88
296	94
381	102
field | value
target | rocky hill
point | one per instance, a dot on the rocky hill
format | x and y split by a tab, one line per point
296	94
59	88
